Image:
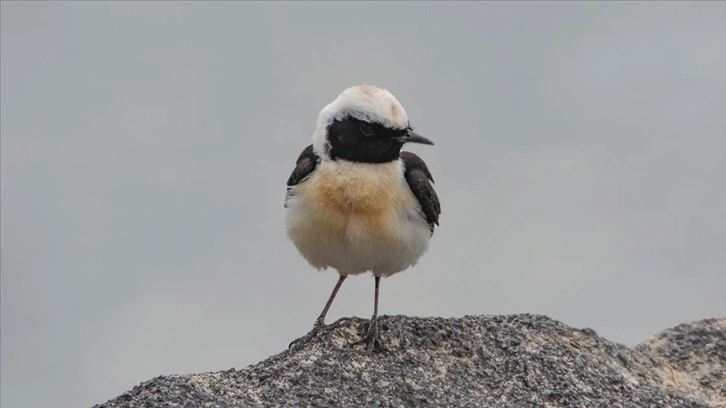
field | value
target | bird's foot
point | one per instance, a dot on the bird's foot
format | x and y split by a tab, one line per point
317	328
372	339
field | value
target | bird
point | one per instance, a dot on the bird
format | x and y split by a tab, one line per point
355	202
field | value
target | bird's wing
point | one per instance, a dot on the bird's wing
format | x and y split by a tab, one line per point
306	163
419	180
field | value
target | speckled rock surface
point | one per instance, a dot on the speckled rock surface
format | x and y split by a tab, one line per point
475	361
695	355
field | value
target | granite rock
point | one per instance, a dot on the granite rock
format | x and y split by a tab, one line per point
475	361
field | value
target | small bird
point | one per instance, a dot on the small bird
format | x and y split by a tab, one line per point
355	202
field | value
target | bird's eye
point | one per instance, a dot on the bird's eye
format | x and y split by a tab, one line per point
367	129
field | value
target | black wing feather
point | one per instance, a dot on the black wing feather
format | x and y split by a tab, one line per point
419	180
304	166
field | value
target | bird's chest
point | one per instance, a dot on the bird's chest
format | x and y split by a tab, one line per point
357	203
359	188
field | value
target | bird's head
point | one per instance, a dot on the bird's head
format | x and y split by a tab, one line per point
363	124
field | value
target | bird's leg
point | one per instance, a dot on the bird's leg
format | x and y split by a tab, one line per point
320	321
372	338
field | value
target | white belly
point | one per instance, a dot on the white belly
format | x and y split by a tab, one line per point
357	217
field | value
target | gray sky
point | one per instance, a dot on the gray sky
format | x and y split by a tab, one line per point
580	161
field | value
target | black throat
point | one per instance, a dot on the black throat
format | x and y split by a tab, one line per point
360	141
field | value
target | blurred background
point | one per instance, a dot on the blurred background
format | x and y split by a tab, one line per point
580	159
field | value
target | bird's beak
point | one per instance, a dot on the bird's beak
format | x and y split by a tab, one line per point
413	137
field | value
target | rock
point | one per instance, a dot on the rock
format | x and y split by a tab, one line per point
695	358
475	361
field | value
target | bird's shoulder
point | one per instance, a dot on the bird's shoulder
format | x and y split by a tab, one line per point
420	181
304	166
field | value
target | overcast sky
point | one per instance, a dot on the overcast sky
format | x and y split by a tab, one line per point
580	159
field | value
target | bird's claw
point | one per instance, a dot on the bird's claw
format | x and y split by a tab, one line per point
372	339
317	328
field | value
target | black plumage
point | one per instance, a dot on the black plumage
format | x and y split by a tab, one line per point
419	180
